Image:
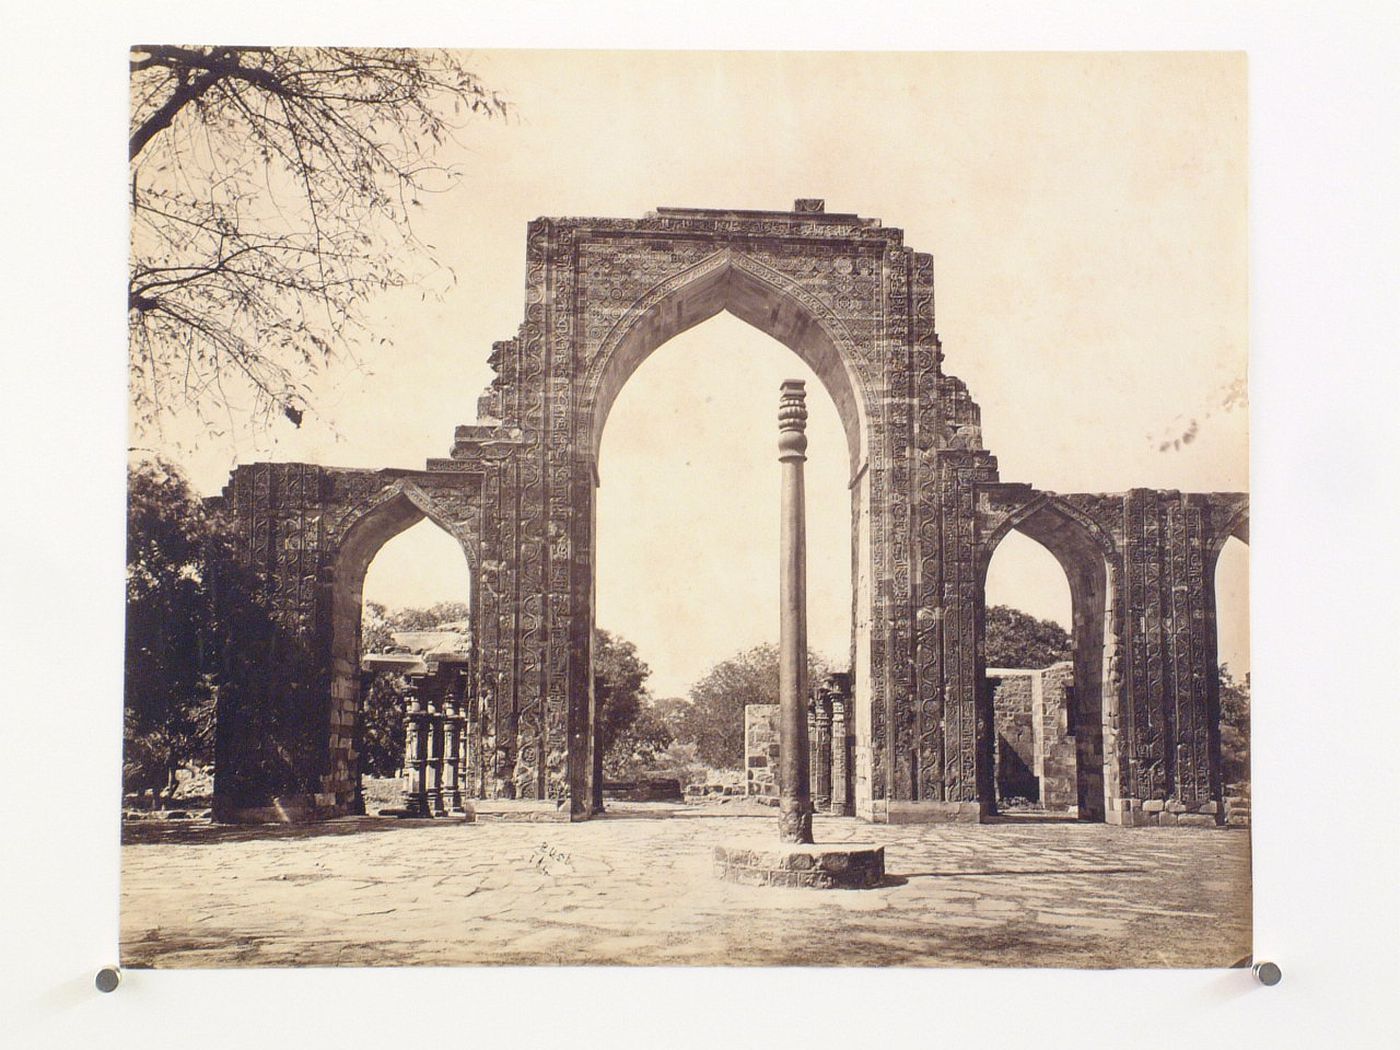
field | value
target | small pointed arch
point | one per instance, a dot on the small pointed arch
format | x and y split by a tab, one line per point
756	294
1235	524
1071	536
398	507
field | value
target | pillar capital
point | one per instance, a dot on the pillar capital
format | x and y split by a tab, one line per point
792	420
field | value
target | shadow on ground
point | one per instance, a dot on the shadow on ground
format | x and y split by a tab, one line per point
204	832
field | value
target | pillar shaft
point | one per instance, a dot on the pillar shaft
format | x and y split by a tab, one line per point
820	729
795	796
416	754
454	732
434	760
840	777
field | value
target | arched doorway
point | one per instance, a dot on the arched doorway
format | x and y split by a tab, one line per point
1231	705
405	507
416	609
687	537
730	283
1030	676
1083	555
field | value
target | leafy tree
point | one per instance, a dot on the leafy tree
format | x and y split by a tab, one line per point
434	617
271	194
202	648
1018	639
715	719
638	747
619	677
1234	728
169	688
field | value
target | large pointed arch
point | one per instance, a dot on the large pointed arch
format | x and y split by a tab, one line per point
756	294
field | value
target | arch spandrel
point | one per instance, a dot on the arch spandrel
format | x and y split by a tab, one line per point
757	294
365	527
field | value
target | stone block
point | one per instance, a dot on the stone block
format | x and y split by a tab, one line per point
1195	820
822	866
1153	805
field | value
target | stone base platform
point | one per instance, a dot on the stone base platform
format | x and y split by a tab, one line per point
823	866
465	815
1169	813
522	811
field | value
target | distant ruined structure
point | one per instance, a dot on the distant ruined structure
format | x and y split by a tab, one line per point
927	512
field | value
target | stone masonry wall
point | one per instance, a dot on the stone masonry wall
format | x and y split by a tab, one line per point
1057	765
1013	703
1035	748
761	752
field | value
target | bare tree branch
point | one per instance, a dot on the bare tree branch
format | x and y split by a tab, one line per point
271	193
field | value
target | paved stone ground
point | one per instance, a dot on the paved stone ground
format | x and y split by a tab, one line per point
637	887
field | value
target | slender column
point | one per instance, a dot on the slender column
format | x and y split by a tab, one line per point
795	795
435	756
821	751
840	770
452	746
415	800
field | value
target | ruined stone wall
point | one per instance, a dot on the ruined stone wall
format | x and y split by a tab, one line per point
1015	706
310	532
846	295
761	752
1141	571
1057	761
1035	746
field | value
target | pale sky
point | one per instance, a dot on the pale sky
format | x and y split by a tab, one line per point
1087	217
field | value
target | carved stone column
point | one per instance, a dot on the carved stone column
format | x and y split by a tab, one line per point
435	757
795	796
840	766
452	746
416	732
821	750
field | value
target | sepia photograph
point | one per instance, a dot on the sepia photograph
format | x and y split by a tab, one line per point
700	508
699	526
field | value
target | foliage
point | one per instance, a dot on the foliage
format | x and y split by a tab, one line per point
271	195
1018	639
381	725
628	729
200	642
170	697
1234	728
714	720
435	617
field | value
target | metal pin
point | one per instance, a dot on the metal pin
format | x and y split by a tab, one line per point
108	978
1267	973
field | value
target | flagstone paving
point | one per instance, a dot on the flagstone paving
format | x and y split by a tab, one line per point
638	887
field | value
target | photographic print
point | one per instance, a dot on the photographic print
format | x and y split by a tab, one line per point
686	508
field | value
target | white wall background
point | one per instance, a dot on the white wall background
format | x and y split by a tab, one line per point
1324	313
